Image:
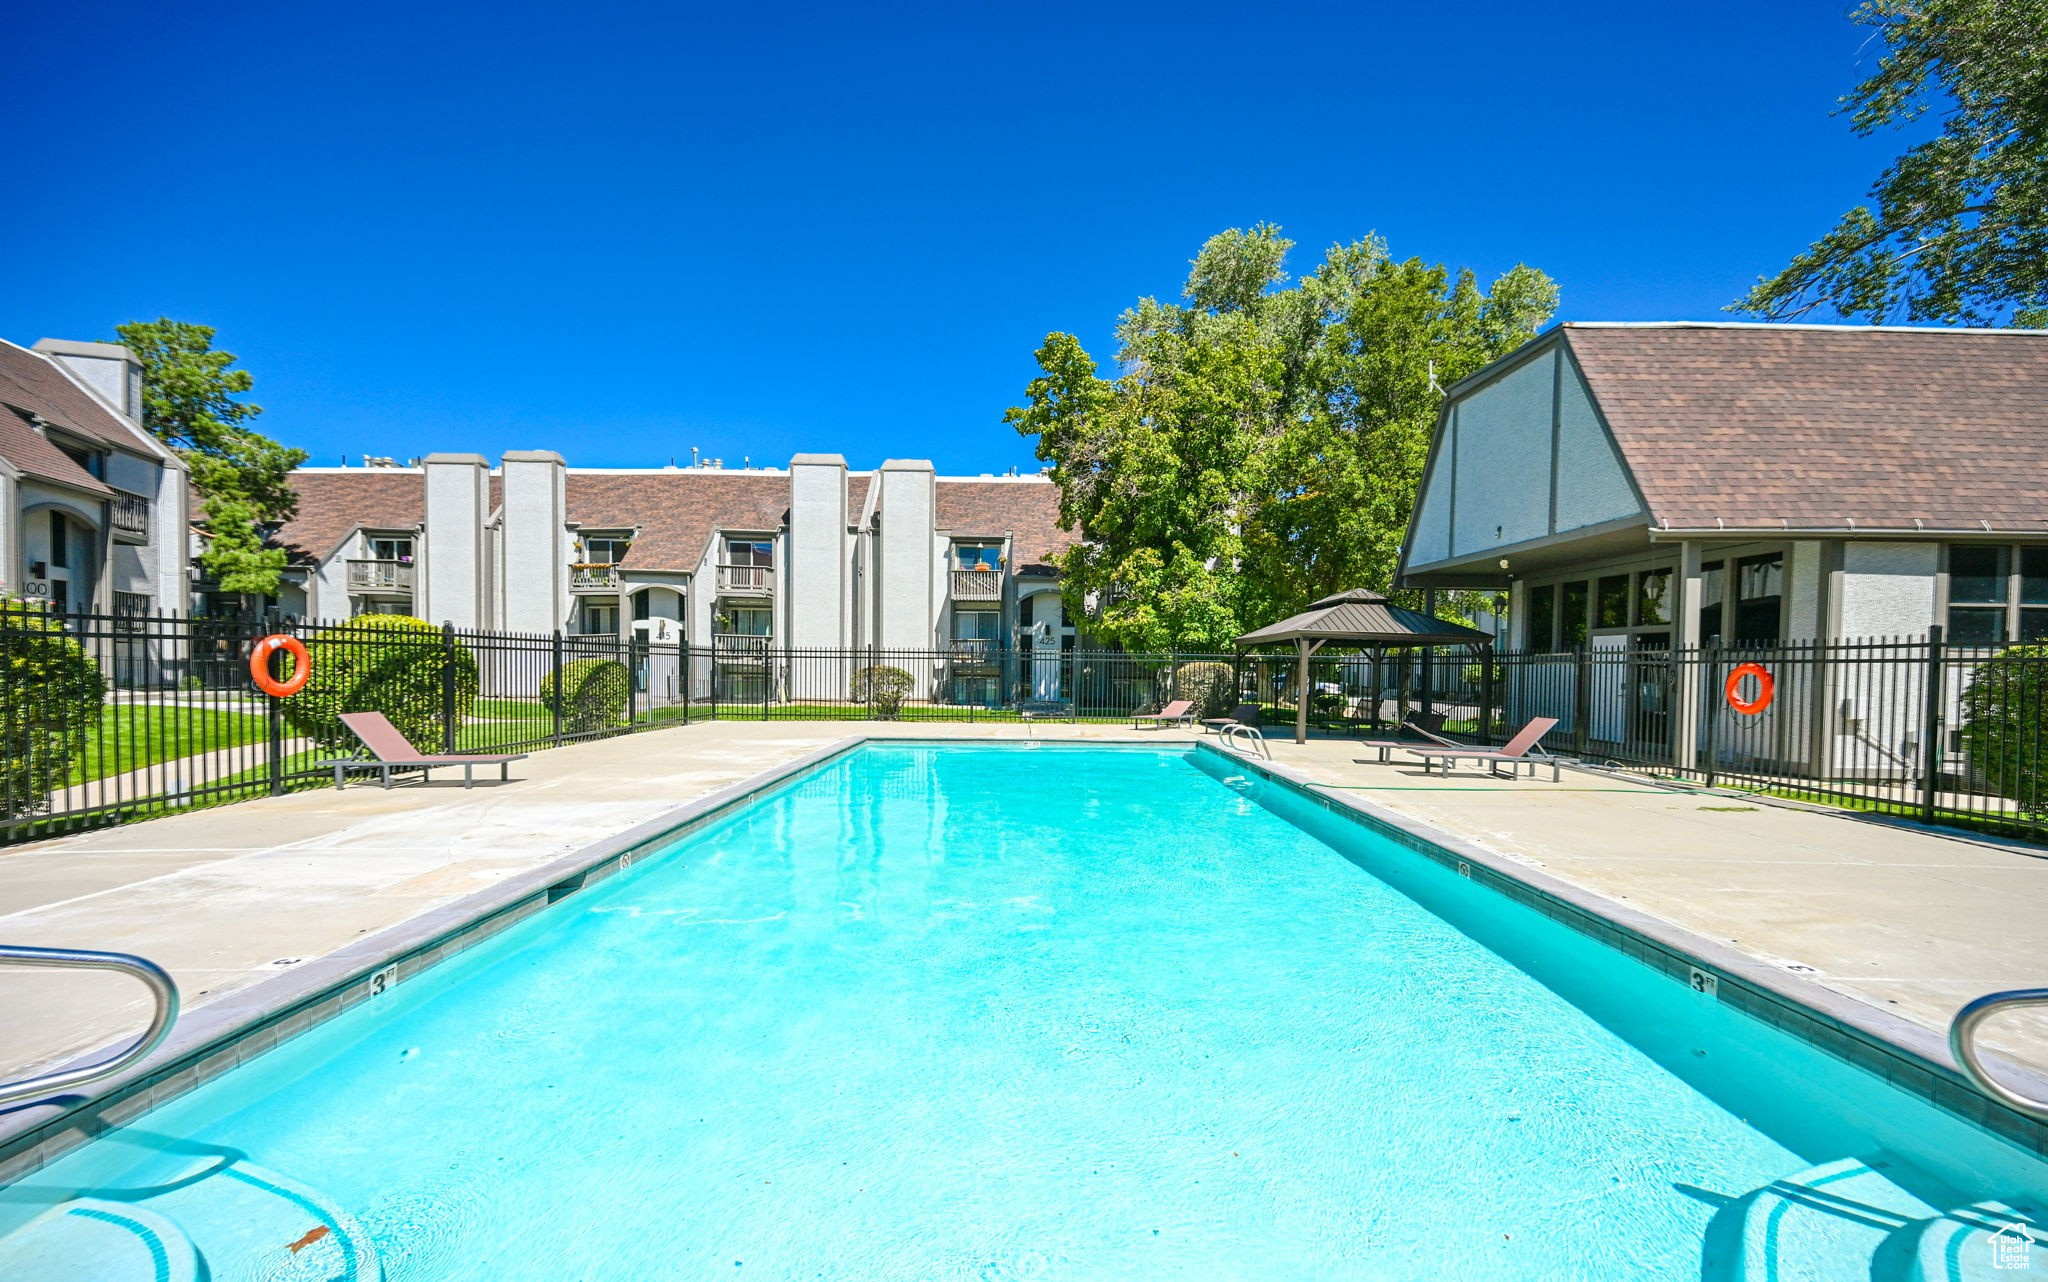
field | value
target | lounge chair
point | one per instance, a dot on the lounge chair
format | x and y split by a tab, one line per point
1179	712
391	751
1244	714
1515	752
1427	729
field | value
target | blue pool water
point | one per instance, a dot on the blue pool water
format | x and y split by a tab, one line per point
1009	1012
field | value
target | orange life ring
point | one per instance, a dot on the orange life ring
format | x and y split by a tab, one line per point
259	665
1765	688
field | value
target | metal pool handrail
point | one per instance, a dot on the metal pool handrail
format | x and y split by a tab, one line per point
161	988
1236	729
1962	1043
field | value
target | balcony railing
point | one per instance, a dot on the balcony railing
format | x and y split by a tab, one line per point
131	516
977	585
975	652
380	576
733	648
757	579
589	576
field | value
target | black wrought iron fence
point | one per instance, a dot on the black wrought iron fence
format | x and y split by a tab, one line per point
106	718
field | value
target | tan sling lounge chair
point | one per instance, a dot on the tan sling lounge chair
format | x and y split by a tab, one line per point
1515	753
392	751
1179	712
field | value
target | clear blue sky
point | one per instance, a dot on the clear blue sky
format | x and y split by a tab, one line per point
620	232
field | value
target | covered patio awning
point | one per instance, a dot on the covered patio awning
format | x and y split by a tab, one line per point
1358	617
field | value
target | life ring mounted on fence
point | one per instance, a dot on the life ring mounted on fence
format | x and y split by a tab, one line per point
259	665
1765	688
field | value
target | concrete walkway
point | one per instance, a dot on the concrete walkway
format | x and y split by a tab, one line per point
1912	922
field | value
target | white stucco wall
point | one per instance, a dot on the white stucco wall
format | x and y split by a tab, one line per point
535	539
452	576
906	555
814	575
1888	589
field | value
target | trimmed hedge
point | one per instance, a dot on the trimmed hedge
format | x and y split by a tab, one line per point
2005	727
388	663
883	689
594	694
50	695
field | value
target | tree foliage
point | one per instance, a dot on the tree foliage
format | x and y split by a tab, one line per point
590	695
189	403
388	663
1959	231
1263	439
50	696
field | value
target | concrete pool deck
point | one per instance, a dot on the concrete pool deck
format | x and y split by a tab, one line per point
1913	922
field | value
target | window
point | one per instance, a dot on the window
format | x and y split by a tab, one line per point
1713	593
748	621
598	617
1611	605
1759	598
1542	630
1997	593
390	549
977	556
1572	617
975	625
1653	597
749	552
643	606
60	541
605	550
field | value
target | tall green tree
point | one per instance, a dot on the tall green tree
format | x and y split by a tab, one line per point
1959	231
190	403
1262	443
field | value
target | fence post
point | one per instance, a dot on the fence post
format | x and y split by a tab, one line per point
1930	776
554	682
1582	698
633	660
1485	693
276	738
447	686
1710	681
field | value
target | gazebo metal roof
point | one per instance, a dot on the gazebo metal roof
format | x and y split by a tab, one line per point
1363	617
1357	617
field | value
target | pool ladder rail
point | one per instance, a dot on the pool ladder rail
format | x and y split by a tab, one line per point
1962	1043
162	989
1239	730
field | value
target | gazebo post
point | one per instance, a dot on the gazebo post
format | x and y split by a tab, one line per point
1306	648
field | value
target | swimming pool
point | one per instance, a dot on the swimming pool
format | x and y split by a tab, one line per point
1014	1012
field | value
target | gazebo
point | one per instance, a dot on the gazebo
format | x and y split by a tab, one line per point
1357	617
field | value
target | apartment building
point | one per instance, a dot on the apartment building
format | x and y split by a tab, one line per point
744	562
93	510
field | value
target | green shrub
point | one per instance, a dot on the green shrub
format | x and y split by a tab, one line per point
386	663
596	691
1326	703
883	689
1210	686
50	695
2005	726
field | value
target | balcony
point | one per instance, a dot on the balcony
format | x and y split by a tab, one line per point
978	585
131	517
746	580
735	650
380	576
976	652
593	576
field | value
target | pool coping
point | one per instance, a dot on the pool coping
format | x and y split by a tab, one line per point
242	1026
1905	1054
210	1040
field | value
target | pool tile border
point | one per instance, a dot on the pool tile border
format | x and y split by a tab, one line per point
214	1038
1909	1057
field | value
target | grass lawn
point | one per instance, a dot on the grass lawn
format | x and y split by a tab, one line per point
130	736
508	709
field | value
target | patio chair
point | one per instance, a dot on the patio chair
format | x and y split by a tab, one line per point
1424	729
1523	748
1179	712
1362	713
391	750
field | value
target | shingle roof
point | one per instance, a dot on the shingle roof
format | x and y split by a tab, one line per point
1027	508
678	512
1819	427
333	503
31	383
